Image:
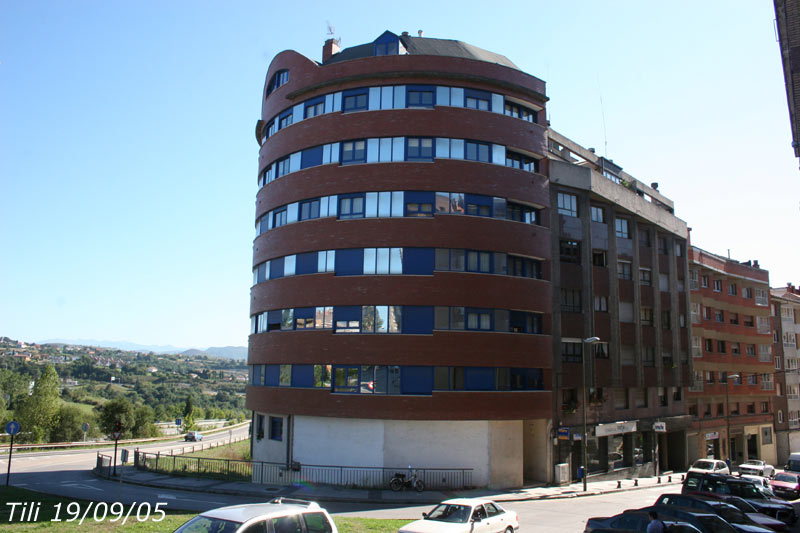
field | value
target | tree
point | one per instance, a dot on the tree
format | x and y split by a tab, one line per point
118	409
68	424
143	426
37	413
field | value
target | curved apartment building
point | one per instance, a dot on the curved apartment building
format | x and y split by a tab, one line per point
401	294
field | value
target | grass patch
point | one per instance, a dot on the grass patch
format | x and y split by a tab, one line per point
239	451
349	524
173	519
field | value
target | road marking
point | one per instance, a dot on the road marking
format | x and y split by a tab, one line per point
171	497
166	496
80	486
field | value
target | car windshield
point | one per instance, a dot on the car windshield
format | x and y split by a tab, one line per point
203	524
705	465
752	462
786	477
445	512
746	490
732	514
715	524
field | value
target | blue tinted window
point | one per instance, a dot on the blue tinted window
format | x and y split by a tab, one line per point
419	204
478	205
302	375
276	268
418	261
417	319
285	119
257	375
311	157
355	100
479	378
314	107
475	151
349	262
477	99
280	78
416	379
306	263
420	96
354	152
351	206
273	376
419	148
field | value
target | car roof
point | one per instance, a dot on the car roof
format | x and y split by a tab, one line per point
468	501
244	512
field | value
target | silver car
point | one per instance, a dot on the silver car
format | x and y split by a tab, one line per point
281	515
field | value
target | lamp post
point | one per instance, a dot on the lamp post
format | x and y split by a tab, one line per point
587	343
728	411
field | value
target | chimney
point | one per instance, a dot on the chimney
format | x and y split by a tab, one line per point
405	34
591	150
420	33
329	49
654	185
755	263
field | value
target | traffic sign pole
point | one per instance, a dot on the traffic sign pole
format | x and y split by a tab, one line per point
10	451
12	428
116	440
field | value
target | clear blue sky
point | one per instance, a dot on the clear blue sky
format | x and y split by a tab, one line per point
128	160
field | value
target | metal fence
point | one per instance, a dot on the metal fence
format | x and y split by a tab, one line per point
103	465
280	474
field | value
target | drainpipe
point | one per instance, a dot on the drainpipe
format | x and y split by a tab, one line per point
289	434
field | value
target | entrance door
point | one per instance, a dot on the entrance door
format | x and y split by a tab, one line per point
752	447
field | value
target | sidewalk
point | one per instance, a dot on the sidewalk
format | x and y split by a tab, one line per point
335	494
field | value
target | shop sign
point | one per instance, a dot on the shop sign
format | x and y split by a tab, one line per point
563	433
615	428
577	436
712	436
660	427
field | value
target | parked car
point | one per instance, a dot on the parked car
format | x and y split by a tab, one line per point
717	484
466	515
739	520
786	486
633	521
193	436
705	522
793	465
760	518
756	467
710	465
762	483
279	516
779	511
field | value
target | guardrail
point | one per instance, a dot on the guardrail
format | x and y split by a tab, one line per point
95	443
279	474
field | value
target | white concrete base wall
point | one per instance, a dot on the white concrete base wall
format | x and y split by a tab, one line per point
338	441
492	449
794	441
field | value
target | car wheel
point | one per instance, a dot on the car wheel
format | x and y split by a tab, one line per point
509	529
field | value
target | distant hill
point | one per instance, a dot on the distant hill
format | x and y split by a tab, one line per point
228	352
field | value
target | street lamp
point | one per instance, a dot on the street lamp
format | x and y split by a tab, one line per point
587	342
728	411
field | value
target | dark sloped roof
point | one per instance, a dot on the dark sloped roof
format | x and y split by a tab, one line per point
426	46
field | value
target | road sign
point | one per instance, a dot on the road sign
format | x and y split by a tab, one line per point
85	427
116	435
178	422
12	428
124	456
660	427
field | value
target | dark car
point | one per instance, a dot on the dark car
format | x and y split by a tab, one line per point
705	522
749	509
778	511
728	512
786	486
634	521
717	484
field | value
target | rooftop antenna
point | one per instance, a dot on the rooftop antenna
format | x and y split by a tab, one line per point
331	29
603	115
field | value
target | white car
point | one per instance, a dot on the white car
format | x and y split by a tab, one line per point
467	515
710	465
756	467
281	515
